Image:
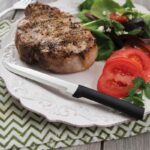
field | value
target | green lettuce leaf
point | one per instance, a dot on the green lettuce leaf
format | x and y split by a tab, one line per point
82	16
146	19
100	9
87	4
128	4
138	83
107	23
100	6
105	45
147	90
104	42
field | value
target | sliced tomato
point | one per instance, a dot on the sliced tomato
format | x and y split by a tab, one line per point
147	75
117	77
118	18
135	55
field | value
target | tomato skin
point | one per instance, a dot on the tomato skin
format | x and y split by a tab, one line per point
104	87
136	55
125	61
147	75
118	18
121	68
117	77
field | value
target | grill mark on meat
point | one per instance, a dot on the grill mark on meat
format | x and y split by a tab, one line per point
38	28
46	33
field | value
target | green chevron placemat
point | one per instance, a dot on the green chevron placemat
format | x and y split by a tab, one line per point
22	129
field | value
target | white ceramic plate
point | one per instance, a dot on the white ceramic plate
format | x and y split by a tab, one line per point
52	104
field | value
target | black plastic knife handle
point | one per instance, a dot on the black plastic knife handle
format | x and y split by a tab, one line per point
120	105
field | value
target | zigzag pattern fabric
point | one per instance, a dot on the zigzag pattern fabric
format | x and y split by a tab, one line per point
22	129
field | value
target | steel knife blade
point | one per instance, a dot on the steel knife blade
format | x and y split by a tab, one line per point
75	90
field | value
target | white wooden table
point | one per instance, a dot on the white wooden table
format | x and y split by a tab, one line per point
141	142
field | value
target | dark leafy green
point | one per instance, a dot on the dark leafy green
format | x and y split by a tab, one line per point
133	13
128	4
136	93
105	45
104	42
147	90
135	27
137	31
95	13
106	23
117	26
82	16
86	5
146	19
136	100
93	25
139	83
101	6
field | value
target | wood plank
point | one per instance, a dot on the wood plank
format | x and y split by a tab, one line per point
141	142
94	146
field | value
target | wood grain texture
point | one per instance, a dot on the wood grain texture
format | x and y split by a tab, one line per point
95	146
141	142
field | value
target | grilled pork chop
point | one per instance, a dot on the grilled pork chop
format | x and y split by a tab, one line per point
54	40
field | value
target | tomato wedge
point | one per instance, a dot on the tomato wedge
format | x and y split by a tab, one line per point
119	18
117	77
135	55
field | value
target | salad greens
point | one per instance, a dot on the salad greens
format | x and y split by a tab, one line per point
101	7
128	4
104	41
146	19
110	33
103	46
86	5
136	94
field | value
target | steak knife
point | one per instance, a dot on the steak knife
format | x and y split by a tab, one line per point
77	91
